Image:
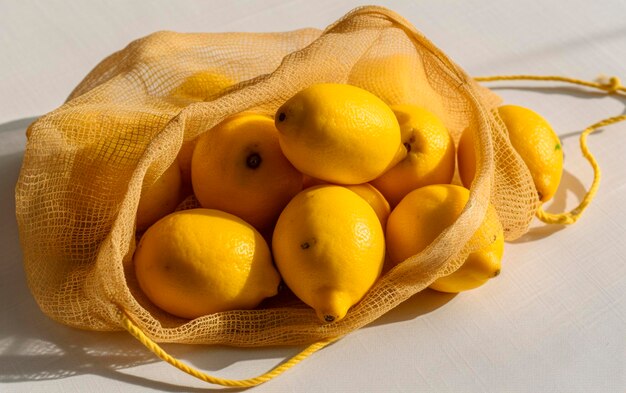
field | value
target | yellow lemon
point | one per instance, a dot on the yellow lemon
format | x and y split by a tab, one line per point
397	78
374	198
466	157
201	261
160	198
329	247
424	213
430	157
201	86
366	191
339	133
533	138
479	267
238	167
538	145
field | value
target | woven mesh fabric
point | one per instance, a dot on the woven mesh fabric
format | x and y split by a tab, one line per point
86	163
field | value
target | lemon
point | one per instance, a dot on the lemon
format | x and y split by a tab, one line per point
329	247
238	167
201	261
366	191
375	199
466	157
538	145
534	140
201	86
398	78
160	198
478	268
430	157
339	133
424	213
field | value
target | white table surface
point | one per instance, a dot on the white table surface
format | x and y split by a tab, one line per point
553	321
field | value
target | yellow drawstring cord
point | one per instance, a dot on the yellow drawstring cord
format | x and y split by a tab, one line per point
136	332
613	86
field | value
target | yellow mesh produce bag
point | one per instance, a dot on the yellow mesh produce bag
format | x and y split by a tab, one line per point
86	163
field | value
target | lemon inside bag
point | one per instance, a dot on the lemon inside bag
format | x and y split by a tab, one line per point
127	121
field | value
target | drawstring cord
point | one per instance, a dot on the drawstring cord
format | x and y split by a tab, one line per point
136	332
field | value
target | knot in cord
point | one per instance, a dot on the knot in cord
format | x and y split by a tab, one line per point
614	85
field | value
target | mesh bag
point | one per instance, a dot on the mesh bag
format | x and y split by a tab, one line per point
86	163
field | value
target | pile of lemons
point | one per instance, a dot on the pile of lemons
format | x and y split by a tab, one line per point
335	189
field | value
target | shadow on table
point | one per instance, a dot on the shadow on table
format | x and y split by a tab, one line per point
421	303
569	184
19	124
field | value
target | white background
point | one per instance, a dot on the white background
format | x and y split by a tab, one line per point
553	321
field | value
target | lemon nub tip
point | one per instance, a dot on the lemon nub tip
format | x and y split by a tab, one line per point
332	307
330	316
